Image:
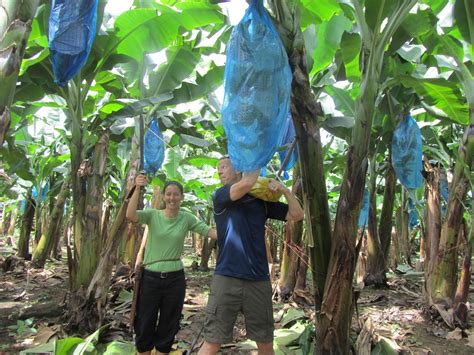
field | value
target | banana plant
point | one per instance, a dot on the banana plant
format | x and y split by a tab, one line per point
453	95
446	96
15	27
305	112
376	24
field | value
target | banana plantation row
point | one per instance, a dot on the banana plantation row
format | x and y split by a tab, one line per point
69	153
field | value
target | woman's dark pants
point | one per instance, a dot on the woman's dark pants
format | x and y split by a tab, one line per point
162	293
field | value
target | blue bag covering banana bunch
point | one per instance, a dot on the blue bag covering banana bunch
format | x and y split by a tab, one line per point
72	27
407	153
154	149
257	88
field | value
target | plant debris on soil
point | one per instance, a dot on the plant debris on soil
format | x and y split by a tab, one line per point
391	320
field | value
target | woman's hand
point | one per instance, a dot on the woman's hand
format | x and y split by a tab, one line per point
212	233
131	214
141	180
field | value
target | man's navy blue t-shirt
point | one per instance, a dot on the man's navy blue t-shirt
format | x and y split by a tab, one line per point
241	234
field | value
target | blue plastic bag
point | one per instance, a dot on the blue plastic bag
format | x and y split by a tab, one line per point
154	149
443	187
364	211
72	26
444	192
44	193
257	88
407	153
288	137
412	214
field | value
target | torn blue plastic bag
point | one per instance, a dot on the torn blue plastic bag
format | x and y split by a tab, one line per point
154	149
364	211
412	214
444	192
72	26
257	88
407	153
443	186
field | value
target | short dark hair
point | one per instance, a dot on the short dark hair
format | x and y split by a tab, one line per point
175	183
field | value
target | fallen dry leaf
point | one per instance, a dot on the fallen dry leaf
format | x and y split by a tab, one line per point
470	340
363	343
44	335
373	299
456	334
446	313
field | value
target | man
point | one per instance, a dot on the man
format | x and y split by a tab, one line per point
241	281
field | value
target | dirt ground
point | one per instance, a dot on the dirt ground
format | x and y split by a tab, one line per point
32	307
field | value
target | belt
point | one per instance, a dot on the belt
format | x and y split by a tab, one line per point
163	275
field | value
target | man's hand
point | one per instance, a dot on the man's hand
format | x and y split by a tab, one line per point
295	212
244	185
276	186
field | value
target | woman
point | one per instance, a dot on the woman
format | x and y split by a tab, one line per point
163	285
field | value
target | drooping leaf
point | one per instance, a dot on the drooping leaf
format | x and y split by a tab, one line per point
204	85
339	126
411	53
200	160
441	93
199	142
350	48
48	165
343	99
310	39
444	45
179	65
322	10
464	17
38	35
328	42
29	92
16	162
376	11
171	164
415	25
132	107
142	31
38	57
